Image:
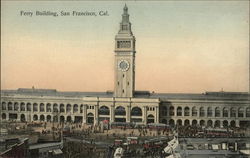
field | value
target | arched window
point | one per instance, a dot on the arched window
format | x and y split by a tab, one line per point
171	111
10	106
48	108
225	112
217	112
16	107
136	111
120	111
179	111
248	112
233	112
202	112
186	111
28	107
194	111
3	106
209	112
103	110
68	108
22	106
240	112
35	107
62	108
41	108
55	108
75	108
217	123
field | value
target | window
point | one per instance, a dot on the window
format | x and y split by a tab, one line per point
118	83
123	44
124	27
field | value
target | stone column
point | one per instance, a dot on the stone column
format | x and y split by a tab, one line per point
31	108
96	117
112	113
205	112
144	115
156	114
84	119
128	115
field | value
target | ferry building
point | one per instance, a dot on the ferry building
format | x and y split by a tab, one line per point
125	104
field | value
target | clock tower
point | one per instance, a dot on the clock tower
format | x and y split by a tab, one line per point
124	58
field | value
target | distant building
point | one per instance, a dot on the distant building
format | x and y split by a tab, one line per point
214	109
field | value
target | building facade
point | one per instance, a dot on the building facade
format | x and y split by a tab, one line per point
215	109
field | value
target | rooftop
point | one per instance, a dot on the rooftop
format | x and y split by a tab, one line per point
138	94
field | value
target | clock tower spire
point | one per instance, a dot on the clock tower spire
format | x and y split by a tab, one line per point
124	58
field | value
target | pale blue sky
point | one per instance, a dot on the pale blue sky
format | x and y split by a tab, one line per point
188	46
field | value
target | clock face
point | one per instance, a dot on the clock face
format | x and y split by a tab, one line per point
123	65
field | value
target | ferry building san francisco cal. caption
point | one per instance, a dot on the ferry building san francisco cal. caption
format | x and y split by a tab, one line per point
125	104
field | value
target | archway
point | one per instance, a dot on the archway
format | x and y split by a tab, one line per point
194	122
209	112
233	124
48	107
225	112
120	111
10	106
75	108
103	110
23	118
55	108
90	118
202	112
62	119
4	116
136	111
171	111
225	123
240	112
202	123
62	109
3	106
69	119
179	122
41	107
186	123
217	124
210	123
186	111
248	112
150	119
233	112
55	118
194	111
16	107
217	112
28	108
68	109
35	118
48	118
171	123
22	106
179	111
42	118
35	107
